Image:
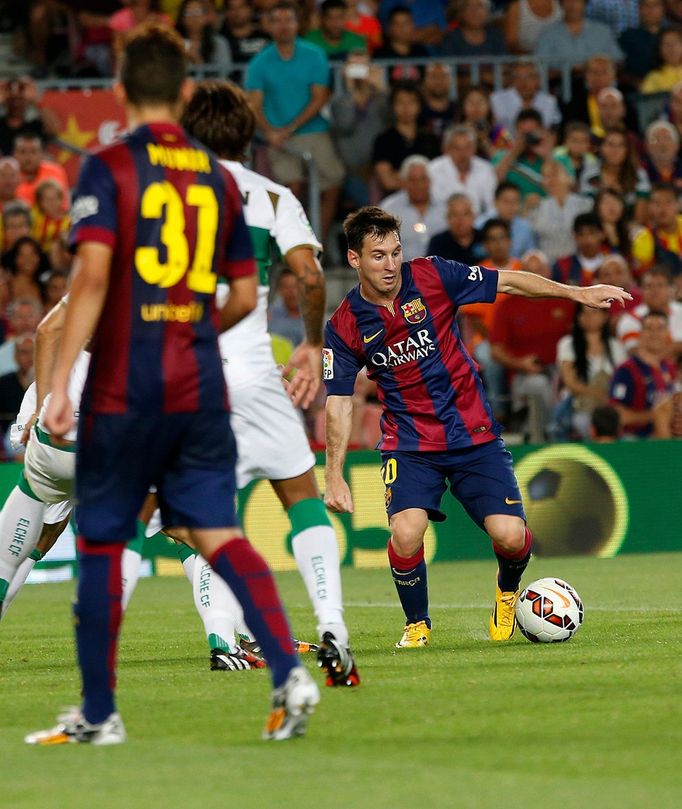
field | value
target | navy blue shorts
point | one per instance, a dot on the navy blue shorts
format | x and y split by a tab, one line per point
480	477
189	457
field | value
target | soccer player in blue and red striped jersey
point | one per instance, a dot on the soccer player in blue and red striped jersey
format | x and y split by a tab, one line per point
437	425
156	220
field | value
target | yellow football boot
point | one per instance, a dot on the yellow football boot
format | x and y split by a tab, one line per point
503	616
414	636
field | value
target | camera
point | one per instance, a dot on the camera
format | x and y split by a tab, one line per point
357	70
532	138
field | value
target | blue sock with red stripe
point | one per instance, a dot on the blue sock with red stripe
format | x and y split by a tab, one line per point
98	620
409	577
248	576
512	565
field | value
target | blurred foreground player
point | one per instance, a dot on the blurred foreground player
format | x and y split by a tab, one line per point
437	425
155	220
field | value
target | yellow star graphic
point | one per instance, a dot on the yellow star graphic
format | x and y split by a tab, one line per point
76	136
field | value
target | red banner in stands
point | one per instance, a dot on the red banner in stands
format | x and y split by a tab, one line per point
89	118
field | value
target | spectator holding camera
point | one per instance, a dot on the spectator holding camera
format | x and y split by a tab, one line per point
522	163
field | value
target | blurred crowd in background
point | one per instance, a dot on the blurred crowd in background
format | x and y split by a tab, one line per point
505	165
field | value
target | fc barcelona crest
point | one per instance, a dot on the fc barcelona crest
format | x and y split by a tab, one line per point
414	311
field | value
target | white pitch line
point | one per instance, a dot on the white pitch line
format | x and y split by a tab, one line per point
437	606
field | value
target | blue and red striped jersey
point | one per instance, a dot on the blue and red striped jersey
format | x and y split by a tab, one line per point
173	218
429	387
637	385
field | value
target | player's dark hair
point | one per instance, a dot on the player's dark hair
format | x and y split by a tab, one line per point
579	339
153	65
493	223
606	422
219	115
506	186
369	221
586	220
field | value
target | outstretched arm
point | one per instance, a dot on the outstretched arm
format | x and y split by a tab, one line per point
531	285
338	423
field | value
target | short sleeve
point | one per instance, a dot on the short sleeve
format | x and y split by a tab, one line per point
622	386
254	79
292	228
94	213
466	284
628	330
319	67
238	260
340	365
565	351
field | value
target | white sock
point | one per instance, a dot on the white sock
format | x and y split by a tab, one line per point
21	522
18	582
217	607
188	566
317	558
131	562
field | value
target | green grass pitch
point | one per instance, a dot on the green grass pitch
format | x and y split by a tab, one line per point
595	722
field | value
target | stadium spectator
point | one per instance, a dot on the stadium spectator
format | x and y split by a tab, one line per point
403	138
657	294
23	113
358	115
202	44
600	74
459	169
284	314
61	257
525	22
508	209
669	70
288	84
428	18
662	161
23	316
91	46
475	111
619	168
54	289
615	270
47	36
586	359
553	217
575	38
522	162
135	13
420	217
48	217
9	180
609	208
668	413
673	10
242	31
661	241
459	242
605	425
16	222
26	263
475	35
611	112
524	337
333	35
401	42
13	383
438	107
640	42
579	267
673	112
575	151
35	168
642	381
617	14
359	21
524	93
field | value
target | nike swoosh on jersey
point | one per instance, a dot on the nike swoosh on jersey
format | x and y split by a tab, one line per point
371	337
511	502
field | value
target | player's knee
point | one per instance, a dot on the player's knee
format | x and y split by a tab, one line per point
406	544
508	534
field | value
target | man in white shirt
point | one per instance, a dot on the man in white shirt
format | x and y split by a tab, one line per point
420	217
657	291
523	94
459	170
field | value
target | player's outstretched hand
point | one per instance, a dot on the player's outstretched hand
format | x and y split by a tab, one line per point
337	497
306	360
601	296
59	414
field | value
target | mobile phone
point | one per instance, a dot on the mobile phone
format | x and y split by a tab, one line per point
357	70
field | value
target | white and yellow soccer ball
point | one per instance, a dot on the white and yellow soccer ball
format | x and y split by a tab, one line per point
549	611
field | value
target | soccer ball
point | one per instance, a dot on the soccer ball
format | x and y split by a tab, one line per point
549	611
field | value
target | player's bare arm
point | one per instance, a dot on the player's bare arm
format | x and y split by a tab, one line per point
48	335
242	301
86	301
306	359
338	423
599	296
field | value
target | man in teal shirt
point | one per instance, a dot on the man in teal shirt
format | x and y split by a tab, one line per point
332	35
288	84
